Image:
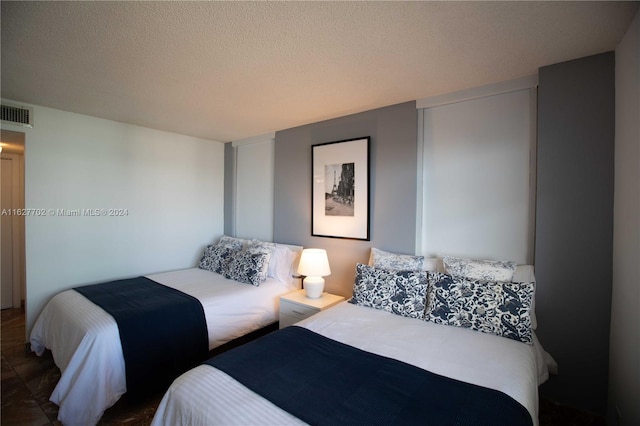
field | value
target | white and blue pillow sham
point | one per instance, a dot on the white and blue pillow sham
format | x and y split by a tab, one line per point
491	305
215	258
248	261
247	267
399	292
500	308
488	270
232	242
395	262
265	249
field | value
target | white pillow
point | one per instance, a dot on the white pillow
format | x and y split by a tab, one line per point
281	264
430	264
280	259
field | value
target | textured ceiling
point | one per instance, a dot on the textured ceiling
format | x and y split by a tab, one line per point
229	70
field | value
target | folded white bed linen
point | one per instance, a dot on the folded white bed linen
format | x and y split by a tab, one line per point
207	396
85	342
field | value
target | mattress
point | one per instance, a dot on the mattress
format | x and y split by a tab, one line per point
205	395
85	343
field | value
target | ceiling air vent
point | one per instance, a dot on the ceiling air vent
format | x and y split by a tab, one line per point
16	115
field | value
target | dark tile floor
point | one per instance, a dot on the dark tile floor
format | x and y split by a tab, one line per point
28	380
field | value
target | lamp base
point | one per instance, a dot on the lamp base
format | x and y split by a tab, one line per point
313	287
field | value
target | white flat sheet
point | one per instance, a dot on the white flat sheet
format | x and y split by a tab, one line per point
85	341
207	396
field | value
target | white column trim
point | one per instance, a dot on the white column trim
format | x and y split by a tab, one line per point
420	182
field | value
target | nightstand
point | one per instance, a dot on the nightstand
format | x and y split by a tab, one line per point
296	306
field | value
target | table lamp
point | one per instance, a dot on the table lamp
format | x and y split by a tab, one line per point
314	265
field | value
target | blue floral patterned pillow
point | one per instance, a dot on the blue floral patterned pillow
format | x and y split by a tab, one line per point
247	267
395	262
231	242
257	244
500	308
215	258
487	270
399	292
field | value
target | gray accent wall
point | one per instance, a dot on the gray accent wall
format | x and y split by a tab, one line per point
574	226
624	353
392	198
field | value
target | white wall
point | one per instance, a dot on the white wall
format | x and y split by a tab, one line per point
478	175
170	185
624	350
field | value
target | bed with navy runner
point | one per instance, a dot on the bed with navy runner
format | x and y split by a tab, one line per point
325	382
163	331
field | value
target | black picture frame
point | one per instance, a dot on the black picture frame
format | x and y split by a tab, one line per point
340	189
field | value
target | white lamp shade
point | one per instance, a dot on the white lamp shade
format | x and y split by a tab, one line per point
314	264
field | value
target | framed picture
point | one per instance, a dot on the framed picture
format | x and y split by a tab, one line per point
340	189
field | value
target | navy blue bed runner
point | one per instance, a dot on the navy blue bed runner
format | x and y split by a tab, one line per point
163	331
324	382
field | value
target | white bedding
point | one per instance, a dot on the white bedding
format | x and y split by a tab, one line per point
85	341
207	396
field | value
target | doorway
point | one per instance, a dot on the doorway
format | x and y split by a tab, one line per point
12	250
